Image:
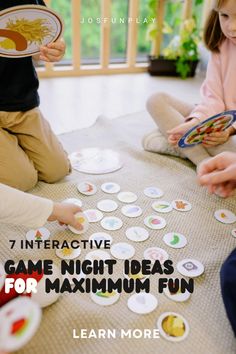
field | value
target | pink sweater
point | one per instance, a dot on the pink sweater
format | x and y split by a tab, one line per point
218	91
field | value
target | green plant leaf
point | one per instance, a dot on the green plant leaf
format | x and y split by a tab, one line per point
198	2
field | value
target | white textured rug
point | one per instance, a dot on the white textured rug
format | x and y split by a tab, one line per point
208	241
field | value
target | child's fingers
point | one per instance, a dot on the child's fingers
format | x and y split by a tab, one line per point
216	138
76	209
221	134
57	45
176	130
214	177
217	167
171	138
229	188
224	191
50	58
211	188
174	137
211	138
43	58
205	167
51	52
76	224
173	141
208	142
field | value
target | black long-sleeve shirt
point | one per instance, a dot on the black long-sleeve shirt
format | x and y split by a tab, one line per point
18	78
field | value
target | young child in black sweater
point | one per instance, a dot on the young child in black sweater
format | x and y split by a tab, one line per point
29	150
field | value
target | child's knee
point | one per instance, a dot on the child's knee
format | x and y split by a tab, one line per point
59	168
30	181
156	100
23	180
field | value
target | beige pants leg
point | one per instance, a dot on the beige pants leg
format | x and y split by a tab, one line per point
168	112
39	143
16	169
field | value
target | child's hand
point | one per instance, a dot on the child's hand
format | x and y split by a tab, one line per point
217	138
218	174
176	133
64	213
53	52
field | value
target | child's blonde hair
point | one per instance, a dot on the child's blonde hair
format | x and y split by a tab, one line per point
213	35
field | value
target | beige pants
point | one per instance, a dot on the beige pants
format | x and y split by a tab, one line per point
29	150
168	112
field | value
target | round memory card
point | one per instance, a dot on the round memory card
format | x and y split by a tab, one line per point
175	240
75	201
107	205
41	234
153	192
25	29
181	205
137	234
97	255
131	210
2	276
19	321
110	187
87	188
177	296
105	298
96	161
100	237
155	222
156	254
216	123
122	250
111	223
173	327
68	252
93	215
142	303
162	206
225	216
82	219
127	197
190	267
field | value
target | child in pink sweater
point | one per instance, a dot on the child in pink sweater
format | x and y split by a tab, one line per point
218	93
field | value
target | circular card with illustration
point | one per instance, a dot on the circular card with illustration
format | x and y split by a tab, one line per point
40	234
105	298
96	161
142	303
173	327
19	321
24	29
213	124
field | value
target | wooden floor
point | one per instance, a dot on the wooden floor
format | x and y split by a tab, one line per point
74	103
